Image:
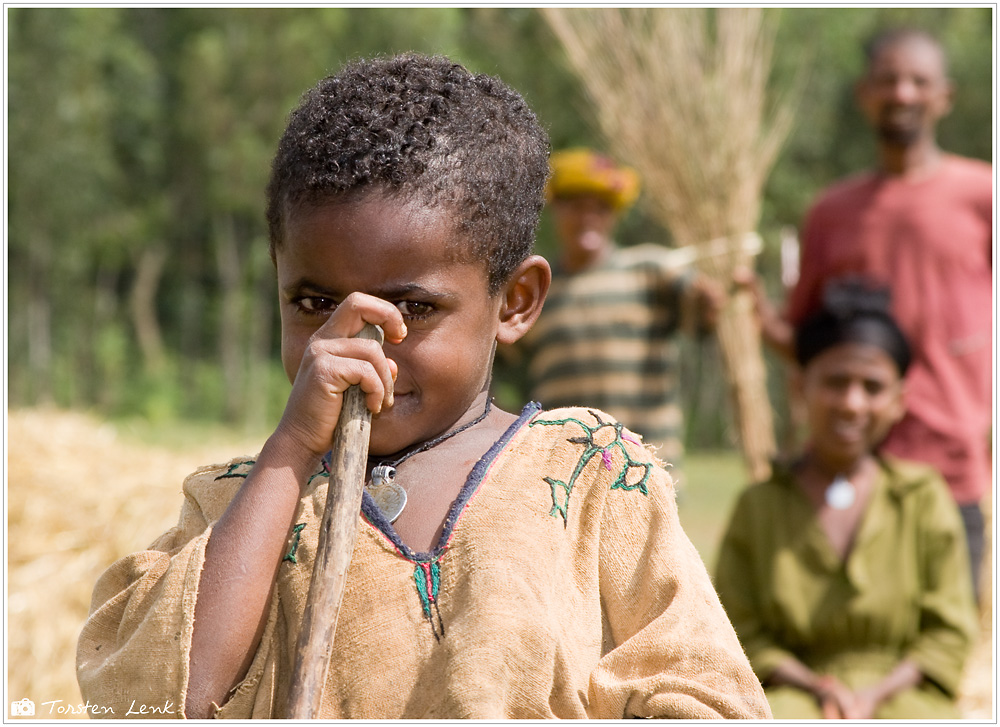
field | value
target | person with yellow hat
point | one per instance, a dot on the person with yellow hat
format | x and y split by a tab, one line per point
587	193
606	336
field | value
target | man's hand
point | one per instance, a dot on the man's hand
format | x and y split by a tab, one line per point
774	329
709	297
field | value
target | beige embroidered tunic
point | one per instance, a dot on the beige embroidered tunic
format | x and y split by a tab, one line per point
563	587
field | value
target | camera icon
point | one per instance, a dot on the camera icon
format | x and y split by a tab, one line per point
23	708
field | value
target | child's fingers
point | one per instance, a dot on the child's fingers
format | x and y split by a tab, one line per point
343	362
328	369
356	310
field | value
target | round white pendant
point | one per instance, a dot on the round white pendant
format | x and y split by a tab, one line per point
840	494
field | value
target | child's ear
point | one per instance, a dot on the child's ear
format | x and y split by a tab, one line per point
523	297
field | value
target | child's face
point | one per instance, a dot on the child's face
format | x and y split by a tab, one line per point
853	395
405	254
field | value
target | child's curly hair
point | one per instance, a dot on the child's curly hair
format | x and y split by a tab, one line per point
419	126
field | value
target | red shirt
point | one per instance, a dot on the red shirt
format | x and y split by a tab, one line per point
931	242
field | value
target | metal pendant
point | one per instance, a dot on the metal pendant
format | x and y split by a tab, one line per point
841	494
390	497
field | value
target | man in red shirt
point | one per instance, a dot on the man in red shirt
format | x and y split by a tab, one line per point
921	224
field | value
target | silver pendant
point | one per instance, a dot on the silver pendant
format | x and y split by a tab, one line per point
840	494
390	497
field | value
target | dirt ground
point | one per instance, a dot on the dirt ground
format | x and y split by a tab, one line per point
81	494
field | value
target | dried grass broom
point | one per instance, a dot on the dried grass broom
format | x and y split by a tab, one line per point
682	95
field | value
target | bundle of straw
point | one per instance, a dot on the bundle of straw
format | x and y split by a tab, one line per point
682	95
80	495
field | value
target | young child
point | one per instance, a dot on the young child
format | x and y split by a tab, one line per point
538	569
846	575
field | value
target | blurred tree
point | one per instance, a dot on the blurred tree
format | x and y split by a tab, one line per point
139	142
70	225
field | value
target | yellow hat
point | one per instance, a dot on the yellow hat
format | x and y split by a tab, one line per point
582	171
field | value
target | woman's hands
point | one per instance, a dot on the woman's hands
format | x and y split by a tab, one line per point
863	703
836	699
331	361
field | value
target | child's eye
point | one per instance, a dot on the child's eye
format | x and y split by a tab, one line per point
414	310
315	304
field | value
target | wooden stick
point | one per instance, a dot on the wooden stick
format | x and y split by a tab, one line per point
337	535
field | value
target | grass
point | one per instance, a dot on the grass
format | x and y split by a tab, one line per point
713	480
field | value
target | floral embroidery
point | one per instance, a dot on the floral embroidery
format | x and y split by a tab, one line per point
231	471
324	472
603	438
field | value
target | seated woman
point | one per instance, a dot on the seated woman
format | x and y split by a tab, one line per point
846	574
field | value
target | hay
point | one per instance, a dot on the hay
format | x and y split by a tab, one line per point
78	498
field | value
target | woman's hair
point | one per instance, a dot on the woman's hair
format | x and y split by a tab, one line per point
421	129
853	311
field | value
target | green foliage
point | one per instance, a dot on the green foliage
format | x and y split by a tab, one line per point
139	143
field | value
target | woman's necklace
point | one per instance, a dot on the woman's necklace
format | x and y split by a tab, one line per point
387	493
841	493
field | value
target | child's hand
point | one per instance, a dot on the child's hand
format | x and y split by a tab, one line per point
331	361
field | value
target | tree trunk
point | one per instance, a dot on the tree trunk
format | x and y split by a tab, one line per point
40	348
231	325
142	305
260	330
39	319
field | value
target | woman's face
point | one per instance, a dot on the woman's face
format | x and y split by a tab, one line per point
853	395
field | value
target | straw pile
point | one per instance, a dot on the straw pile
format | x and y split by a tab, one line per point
682	94
78	498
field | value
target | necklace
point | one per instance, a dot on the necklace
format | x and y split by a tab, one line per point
841	493
388	494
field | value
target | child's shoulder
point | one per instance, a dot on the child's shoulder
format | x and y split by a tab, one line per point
589	431
211	487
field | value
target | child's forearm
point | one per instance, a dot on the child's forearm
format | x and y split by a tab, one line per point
241	562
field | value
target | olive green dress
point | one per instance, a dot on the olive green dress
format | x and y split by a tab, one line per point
903	591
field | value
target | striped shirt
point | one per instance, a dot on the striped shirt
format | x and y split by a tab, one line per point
606	339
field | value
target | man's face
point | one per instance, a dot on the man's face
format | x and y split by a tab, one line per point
584	225
906	91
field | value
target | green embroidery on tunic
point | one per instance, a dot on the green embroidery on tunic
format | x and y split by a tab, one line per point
428	579
296	536
231	471
633	476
